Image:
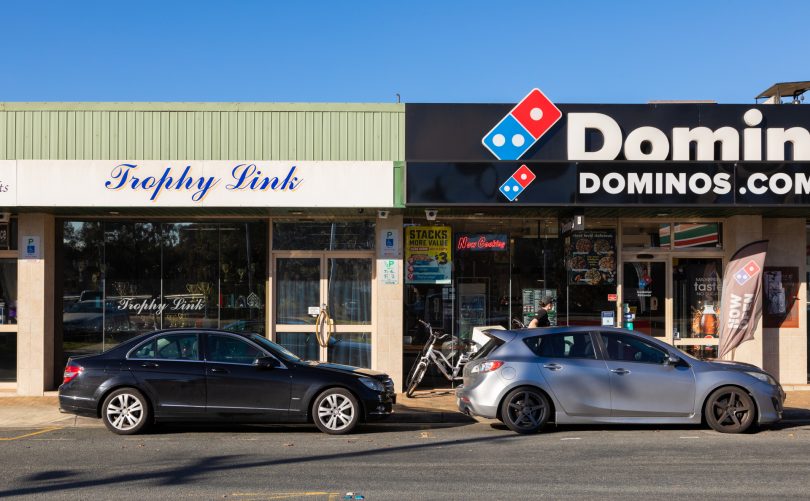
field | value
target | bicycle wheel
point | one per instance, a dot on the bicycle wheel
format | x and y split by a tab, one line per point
418	374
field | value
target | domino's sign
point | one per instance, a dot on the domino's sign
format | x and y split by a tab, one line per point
540	153
522	127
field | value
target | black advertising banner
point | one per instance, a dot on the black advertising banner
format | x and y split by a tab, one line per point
591	257
601	184
741	300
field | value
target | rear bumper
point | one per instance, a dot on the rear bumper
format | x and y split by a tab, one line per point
470	405
78	405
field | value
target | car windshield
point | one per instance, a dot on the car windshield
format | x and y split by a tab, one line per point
277	348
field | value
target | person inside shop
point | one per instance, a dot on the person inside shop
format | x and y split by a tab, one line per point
541	319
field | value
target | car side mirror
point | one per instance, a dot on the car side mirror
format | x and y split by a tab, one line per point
671	359
267	363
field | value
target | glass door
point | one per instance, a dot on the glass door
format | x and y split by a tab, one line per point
323	306
644	290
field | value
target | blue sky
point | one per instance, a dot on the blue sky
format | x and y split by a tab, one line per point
427	51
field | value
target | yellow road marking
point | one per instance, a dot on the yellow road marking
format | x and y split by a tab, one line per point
286	495
40	432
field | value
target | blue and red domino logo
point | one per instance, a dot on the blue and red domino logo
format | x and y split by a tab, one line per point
517	132
515	185
747	272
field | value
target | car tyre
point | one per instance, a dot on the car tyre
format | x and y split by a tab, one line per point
730	410
336	411
525	410
125	411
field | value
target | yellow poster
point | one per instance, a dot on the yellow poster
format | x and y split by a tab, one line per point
428	255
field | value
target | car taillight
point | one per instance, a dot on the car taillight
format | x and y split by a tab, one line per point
488	366
71	371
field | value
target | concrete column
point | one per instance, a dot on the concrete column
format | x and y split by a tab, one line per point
35	306
785	349
387	348
738	231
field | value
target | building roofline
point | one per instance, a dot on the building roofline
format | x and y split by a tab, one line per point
199	106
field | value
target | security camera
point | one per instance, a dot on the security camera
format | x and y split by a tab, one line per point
5	217
431	214
383	214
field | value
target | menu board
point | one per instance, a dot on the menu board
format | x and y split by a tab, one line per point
591	257
428	255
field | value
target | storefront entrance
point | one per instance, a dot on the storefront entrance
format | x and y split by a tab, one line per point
323	308
645	291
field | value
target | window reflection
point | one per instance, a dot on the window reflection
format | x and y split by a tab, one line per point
124	278
347	235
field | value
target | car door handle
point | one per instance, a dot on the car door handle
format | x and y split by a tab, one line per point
620	372
552	367
218	370
149	364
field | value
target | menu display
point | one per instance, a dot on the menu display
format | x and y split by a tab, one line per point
591	257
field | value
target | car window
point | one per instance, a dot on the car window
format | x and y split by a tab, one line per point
231	350
632	349
569	345
170	347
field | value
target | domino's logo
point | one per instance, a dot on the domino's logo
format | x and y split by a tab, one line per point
747	272
517	132
515	185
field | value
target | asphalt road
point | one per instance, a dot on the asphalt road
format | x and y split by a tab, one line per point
469	461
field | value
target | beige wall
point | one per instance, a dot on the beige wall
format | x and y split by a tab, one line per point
739	231
387	348
35	307
785	350
782	352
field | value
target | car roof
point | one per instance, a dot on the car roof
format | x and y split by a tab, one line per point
563	329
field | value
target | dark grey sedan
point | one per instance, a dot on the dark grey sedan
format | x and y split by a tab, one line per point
605	375
211	375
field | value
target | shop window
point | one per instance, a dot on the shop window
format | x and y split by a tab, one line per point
696	235
303	344
696	289
307	235
645	235
121	279
350	348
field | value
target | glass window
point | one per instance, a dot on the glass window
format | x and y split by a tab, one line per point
124	278
8	357
170	347
350	349
303	344
692	235
645	235
631	349
231	350
696	289
574	345
645	293
347	235
350	290
299	284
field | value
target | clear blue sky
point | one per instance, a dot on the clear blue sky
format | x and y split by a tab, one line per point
428	51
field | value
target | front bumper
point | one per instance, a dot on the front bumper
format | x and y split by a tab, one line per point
380	407
771	403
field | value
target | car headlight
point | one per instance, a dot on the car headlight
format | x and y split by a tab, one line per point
372	384
765	378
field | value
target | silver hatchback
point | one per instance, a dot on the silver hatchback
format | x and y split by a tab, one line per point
591	375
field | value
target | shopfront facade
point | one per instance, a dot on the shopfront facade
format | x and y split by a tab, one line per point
624	215
127	218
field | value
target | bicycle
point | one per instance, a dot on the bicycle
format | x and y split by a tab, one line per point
516	323
430	355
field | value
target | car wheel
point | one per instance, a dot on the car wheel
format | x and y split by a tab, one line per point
525	410
416	378
336	411
125	411
730	410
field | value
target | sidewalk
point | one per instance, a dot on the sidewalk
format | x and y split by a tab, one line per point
428	406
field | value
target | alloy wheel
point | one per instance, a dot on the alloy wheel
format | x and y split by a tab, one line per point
525	411
336	412
730	410
125	412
